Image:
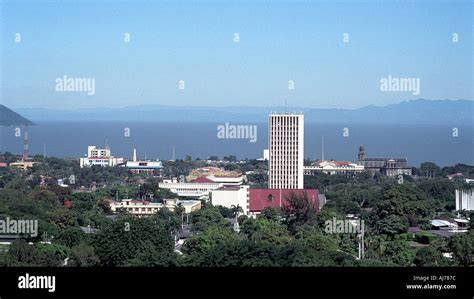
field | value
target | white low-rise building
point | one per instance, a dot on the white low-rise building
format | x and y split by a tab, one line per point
101	157
232	196
227	180
143	166
145	208
196	190
333	167
189	205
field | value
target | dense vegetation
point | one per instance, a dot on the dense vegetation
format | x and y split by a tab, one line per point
292	236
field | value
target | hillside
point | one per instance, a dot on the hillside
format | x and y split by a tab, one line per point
9	117
455	112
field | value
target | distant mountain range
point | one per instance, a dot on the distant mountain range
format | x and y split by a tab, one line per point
419	111
9	118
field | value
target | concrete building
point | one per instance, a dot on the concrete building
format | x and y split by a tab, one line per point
195	190
387	166
145	208
101	157
227	180
232	196
189	205
450	225
286	151
464	200
253	201
140	166
149	167
266	155
23	164
138	208
332	167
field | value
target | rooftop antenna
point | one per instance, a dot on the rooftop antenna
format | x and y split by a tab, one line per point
25	144
106	143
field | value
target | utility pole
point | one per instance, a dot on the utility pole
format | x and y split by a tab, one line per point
361	240
363	246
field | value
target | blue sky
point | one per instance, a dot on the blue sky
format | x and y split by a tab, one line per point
193	41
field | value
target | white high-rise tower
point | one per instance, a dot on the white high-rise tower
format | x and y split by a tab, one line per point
286	151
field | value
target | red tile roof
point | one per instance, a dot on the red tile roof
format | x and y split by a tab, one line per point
263	198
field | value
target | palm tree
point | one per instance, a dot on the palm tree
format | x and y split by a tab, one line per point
236	210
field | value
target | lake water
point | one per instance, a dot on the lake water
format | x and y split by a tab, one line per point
418	144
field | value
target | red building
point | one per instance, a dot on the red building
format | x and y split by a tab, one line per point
260	199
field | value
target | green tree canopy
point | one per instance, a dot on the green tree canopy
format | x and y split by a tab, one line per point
129	237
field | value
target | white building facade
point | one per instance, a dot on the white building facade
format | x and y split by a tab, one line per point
333	167
232	197
141	166
464	200
198	190
286	151
101	157
145	208
227	180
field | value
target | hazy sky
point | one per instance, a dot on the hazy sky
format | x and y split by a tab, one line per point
194	41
